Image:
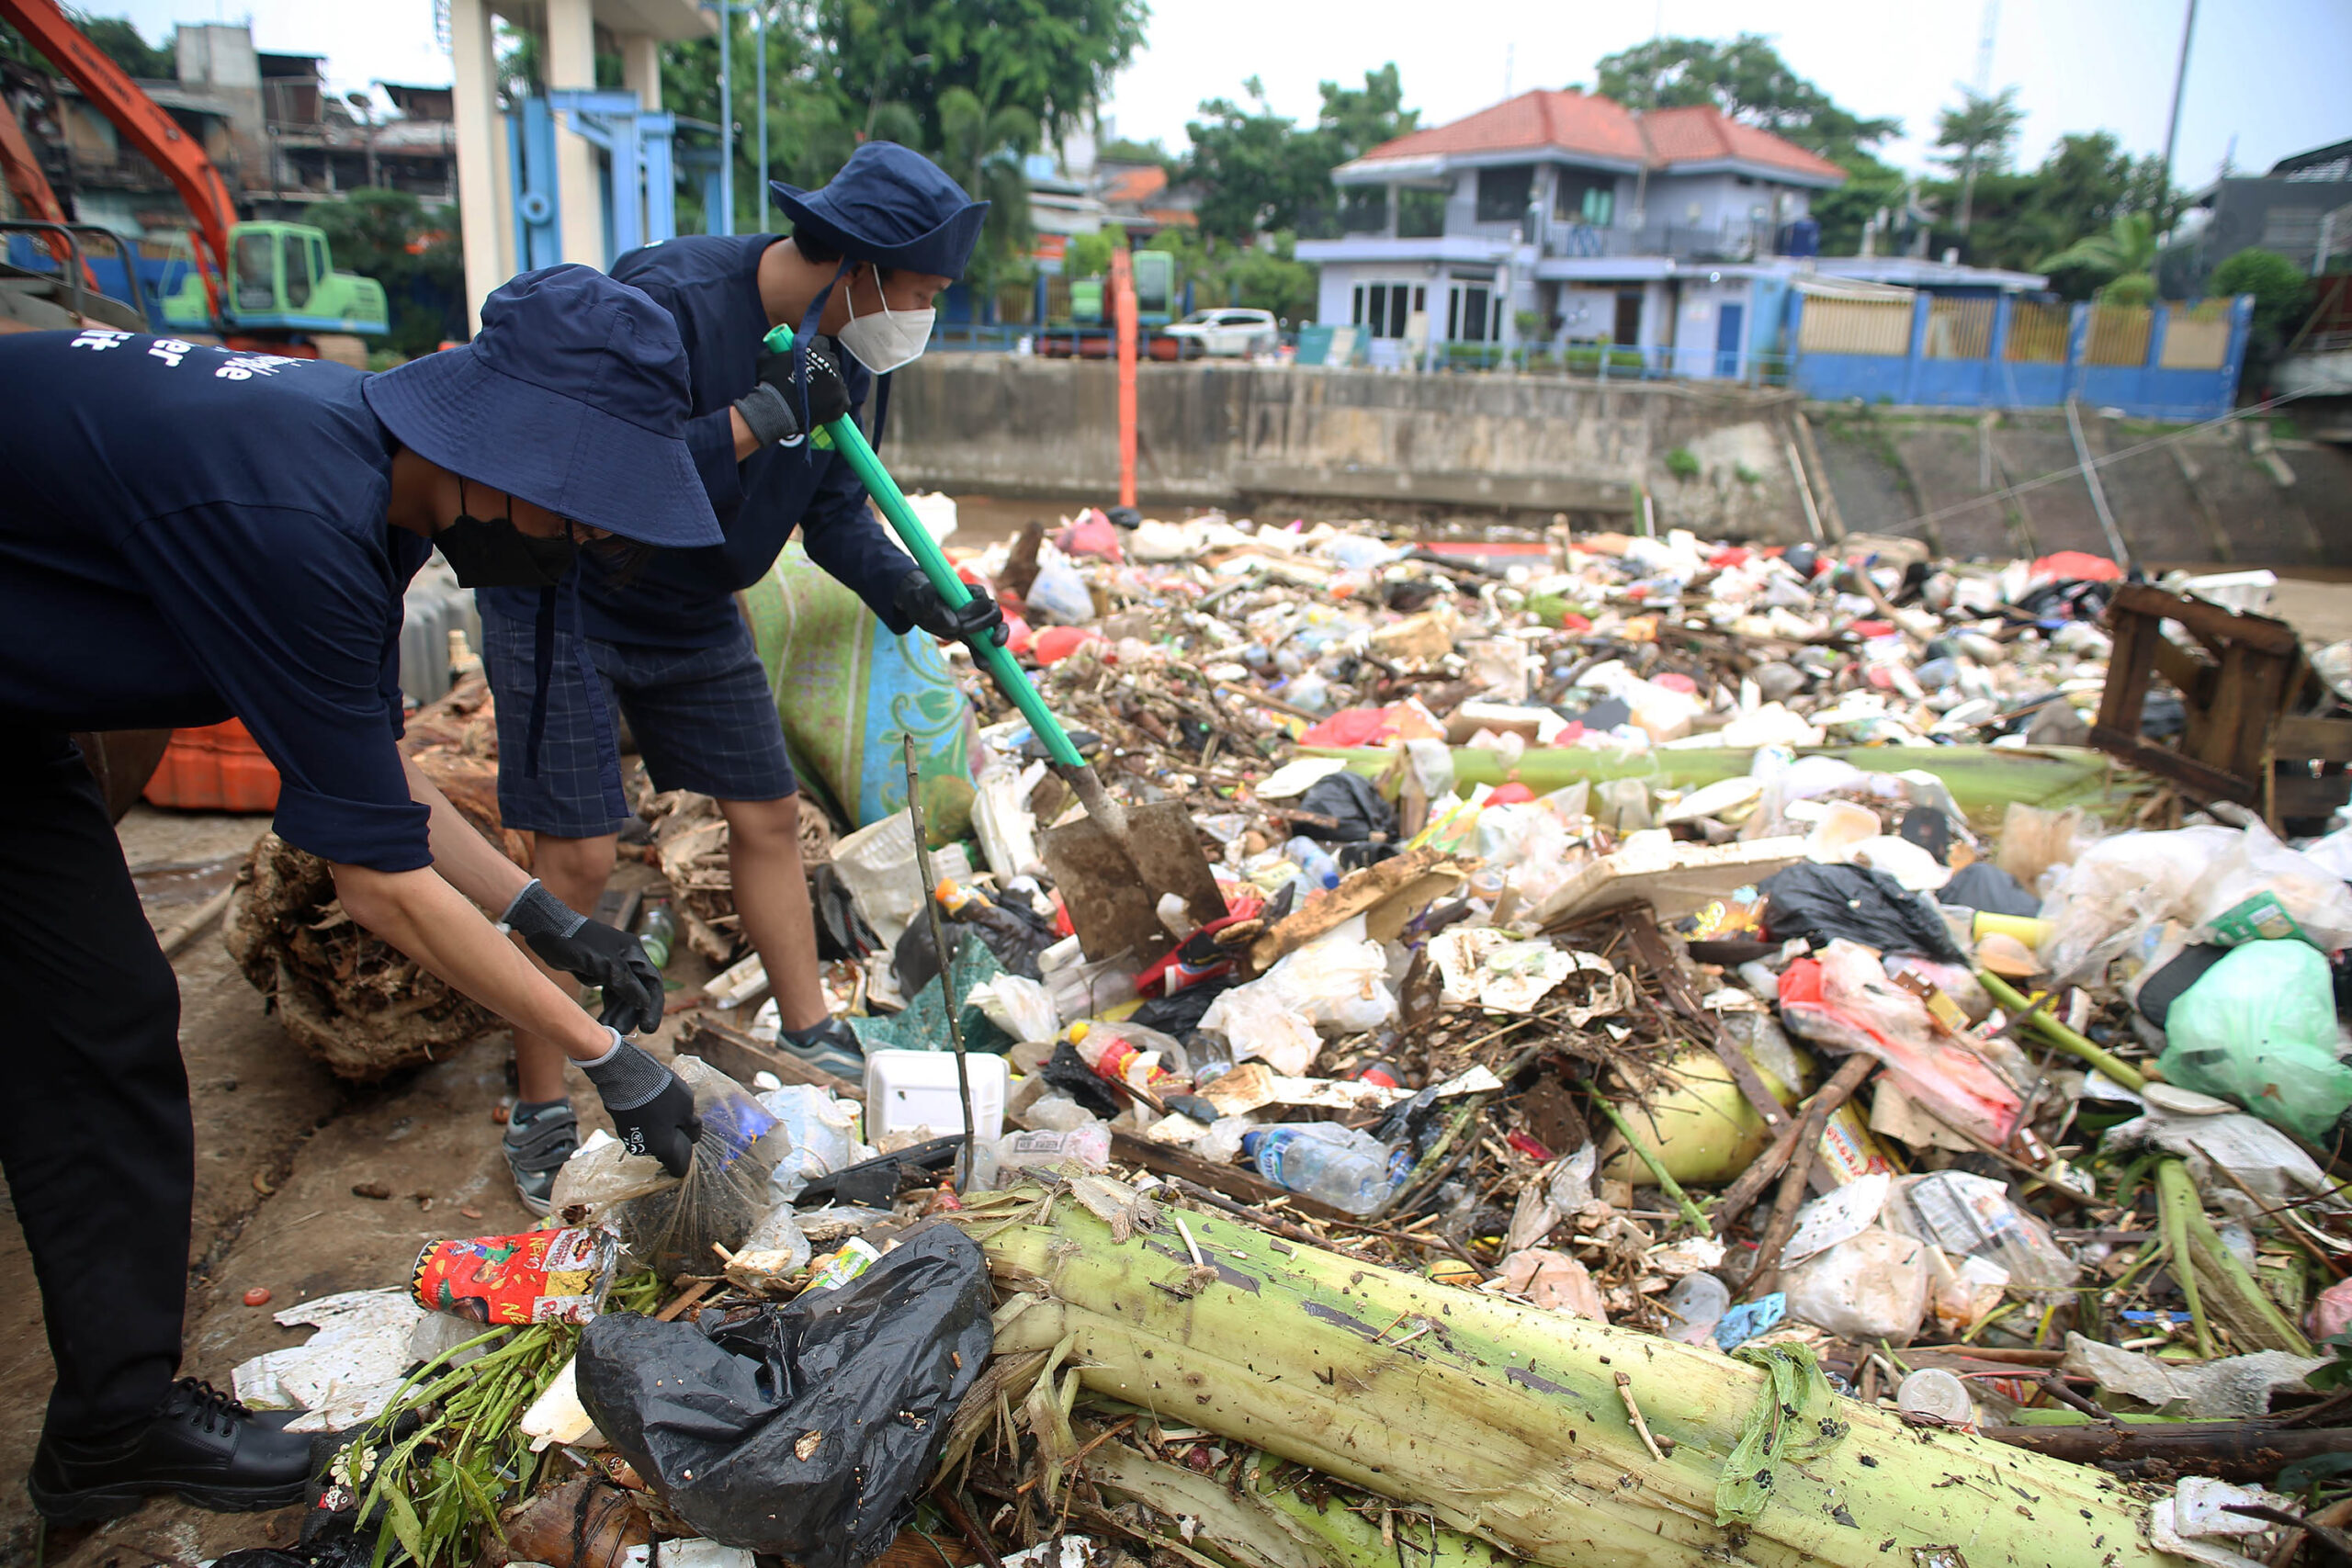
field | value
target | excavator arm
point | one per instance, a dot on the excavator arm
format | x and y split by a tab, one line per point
144	125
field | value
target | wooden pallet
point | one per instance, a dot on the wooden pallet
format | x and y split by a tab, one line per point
2245	741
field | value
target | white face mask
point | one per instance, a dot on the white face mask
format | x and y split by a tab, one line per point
884	343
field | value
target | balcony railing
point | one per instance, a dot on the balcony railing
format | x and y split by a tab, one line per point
1730	241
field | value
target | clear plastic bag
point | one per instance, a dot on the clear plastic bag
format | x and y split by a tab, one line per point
1973	1216
1872	1287
820	1134
2232	884
668	1222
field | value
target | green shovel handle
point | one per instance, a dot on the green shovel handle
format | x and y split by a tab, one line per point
843	435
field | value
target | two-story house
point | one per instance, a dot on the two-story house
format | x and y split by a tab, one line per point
1592	222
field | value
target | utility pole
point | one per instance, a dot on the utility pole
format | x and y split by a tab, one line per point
2172	126
1984	92
726	219
761	13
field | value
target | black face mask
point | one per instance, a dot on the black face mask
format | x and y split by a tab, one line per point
491	552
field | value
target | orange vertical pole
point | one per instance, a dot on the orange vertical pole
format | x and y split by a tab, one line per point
1123	310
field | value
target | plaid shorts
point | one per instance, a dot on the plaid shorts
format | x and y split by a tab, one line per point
703	717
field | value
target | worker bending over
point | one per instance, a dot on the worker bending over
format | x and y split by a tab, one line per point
867	255
189	534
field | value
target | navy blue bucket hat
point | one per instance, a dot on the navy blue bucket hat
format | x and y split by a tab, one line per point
891	205
573	396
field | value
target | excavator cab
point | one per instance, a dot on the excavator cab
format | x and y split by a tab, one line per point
281	278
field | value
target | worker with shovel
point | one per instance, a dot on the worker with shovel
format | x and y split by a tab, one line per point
868	254
189	533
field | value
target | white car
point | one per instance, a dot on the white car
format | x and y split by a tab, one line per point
1227	331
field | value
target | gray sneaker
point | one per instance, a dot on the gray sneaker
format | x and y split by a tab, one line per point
539	1138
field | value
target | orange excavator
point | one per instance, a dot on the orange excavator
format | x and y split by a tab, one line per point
139	120
261	285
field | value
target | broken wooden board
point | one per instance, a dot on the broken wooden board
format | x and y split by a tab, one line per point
1388	894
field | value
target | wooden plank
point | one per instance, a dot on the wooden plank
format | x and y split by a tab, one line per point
2199	780
2206	620
741	1057
2190	676
2312	740
2299	794
2130	665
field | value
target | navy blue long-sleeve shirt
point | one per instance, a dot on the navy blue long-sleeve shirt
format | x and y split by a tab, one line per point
189	534
709	284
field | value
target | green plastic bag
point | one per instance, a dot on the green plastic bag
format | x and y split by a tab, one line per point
2259	1027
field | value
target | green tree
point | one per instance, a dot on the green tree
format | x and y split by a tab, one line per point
2281	296
1052	59
1267	277
1749	81
2122	259
1260	172
1257	172
1978	135
116	38
984	151
810	131
415	252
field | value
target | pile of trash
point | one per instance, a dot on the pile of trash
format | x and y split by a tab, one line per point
1694	1054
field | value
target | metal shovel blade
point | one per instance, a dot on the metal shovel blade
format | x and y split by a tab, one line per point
1112	885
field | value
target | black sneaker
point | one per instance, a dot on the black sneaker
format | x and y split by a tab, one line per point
537	1142
203	1445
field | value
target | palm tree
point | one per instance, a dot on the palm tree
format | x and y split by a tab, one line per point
2124	258
984	150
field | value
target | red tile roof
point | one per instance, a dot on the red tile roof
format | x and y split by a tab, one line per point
1705	135
1602	127
1129	186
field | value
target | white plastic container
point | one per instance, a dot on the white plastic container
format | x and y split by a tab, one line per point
917	1089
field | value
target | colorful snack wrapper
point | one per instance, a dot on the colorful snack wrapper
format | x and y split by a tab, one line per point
539	1277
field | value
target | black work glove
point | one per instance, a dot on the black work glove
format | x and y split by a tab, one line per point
654	1111
769	408
979	617
594	951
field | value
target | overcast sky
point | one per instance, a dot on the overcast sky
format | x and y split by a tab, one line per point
2266	74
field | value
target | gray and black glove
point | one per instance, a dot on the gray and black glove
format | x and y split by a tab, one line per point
769	409
654	1111
979	616
594	951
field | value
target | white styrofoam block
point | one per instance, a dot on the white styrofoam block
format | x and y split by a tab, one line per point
917	1089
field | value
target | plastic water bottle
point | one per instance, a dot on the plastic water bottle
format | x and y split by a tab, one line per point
1348	1169
1314	862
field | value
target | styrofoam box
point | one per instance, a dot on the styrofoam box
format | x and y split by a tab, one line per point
917	1089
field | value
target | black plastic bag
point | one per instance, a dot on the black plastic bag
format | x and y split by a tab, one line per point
863	1378
1066	1070
1821	903
1984	886
1350	800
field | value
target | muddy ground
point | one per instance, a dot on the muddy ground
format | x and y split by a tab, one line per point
279	1145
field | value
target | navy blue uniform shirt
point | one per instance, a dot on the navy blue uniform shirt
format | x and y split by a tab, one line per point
709	284
190	534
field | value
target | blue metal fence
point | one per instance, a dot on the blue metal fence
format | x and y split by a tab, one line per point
1998	377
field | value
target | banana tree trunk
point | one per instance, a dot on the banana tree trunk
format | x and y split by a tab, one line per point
1510	1424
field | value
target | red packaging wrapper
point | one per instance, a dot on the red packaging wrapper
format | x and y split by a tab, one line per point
537	1276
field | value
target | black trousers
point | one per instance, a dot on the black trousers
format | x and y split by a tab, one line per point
96	1135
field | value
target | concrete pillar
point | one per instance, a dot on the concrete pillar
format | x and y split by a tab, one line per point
571	63
641	68
482	150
